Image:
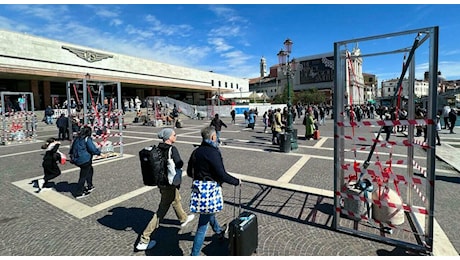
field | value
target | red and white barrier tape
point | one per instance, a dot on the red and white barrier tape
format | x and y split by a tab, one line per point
387	123
365	218
384	203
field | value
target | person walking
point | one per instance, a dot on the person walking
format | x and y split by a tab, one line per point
175	115
233	114
62	124
276	127
170	195
208	164
251	119
309	123
50	164
445	115
452	120
388	129
438	128
49	112
265	121
217	123
81	154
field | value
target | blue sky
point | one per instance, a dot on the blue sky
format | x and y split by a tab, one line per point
231	38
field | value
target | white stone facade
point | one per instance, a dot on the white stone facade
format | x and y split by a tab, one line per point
27	54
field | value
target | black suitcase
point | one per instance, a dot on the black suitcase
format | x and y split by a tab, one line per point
243	233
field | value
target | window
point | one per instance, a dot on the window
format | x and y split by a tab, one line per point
219	83
231	85
212	83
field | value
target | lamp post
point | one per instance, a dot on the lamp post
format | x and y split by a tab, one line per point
218	101
288	68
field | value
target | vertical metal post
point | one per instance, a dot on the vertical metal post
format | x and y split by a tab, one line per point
69	112
432	106
85	102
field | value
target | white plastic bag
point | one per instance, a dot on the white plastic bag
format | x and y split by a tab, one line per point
174	174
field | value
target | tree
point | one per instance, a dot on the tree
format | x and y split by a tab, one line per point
283	97
311	96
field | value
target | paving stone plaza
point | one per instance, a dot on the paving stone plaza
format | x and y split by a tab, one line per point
291	194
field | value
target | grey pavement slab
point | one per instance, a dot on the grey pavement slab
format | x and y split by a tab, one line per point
292	195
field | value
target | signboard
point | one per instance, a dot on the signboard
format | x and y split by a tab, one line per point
317	70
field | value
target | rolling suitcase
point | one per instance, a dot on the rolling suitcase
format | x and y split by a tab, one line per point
243	232
316	134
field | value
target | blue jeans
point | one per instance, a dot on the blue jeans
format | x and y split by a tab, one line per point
49	120
218	136
201	231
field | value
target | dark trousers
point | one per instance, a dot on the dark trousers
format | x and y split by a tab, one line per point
63	133
451	126
86	176
387	130
275	135
446	123
49	175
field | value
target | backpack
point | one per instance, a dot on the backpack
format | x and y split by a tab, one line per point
153	165
75	150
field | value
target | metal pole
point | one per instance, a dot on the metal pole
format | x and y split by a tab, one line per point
218	100
289	129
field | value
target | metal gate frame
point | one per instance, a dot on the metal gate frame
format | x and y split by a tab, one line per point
430	34
100	89
32	121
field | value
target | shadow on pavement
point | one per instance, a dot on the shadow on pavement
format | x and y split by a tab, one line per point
64	186
448	179
397	252
127	219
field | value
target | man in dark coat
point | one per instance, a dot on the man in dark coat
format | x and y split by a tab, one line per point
63	124
452	119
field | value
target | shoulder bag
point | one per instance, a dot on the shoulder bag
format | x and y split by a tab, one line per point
174	174
206	197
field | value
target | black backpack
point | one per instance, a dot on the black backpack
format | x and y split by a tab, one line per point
153	166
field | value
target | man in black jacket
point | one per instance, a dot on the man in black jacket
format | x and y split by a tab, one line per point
207	163
217	123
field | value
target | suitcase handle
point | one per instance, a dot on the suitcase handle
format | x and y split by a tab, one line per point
239	200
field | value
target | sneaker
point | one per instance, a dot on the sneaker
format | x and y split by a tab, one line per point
189	218
40	183
224	230
89	189
45	189
34	183
84	194
146	246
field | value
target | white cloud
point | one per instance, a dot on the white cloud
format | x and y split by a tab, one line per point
45	12
219	44
225	31
155	25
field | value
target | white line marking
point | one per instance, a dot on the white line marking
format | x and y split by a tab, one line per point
295	168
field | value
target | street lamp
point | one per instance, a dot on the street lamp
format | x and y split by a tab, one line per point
218	101
288	68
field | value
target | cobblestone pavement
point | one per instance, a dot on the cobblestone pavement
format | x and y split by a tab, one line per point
291	194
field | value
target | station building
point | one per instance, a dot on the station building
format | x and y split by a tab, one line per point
44	66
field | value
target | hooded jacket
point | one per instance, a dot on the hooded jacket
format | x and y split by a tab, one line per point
82	150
